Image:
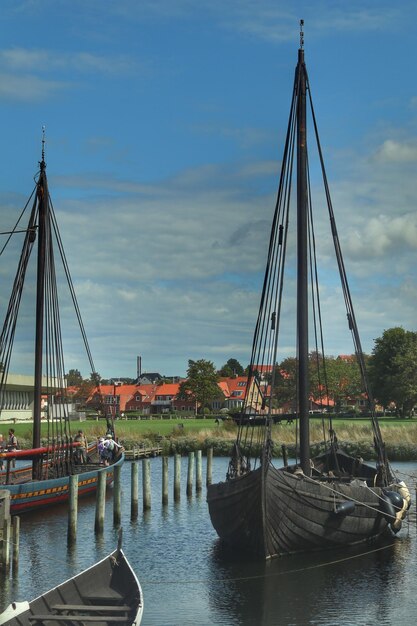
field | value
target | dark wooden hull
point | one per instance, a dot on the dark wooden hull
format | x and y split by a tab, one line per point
106	593
271	512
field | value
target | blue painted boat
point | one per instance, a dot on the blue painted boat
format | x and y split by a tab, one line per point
28	495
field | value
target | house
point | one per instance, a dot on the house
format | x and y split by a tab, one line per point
164	397
234	392
264	371
141	399
111	399
156	399
149	378
224	392
183	404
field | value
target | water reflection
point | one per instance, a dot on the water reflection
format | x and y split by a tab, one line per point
188	577
358	586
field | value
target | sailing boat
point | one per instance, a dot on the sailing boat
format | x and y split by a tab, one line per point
46	480
334	499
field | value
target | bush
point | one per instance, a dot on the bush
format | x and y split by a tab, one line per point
229	425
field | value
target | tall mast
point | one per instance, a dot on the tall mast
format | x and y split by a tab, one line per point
302	263
42	194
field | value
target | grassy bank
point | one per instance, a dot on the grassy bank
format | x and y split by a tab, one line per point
181	436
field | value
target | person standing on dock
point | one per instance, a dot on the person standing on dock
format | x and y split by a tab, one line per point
111	449
81	450
12	441
101	450
12	444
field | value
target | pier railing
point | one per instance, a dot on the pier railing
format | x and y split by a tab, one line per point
142	452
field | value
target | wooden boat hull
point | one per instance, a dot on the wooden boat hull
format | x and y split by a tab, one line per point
106	593
272	512
36	494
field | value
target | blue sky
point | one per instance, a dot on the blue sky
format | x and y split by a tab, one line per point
165	123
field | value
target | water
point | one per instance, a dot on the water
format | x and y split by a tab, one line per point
189	579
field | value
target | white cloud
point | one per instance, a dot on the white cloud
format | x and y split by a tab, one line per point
28	88
170	265
22	71
392	151
279	22
42	61
196	256
173	270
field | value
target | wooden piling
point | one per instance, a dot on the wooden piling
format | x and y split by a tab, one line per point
5	555
146	483
198	471
134	499
164	480
72	509
100	502
177	477
117	496
284	455
5	530
16	543
209	476
190	474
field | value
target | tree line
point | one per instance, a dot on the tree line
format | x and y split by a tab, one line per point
392	372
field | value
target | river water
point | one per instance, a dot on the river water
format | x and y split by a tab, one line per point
189	579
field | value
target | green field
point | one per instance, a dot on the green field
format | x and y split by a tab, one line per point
394	431
125	429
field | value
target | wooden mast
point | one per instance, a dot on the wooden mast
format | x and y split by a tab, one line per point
302	262
42	193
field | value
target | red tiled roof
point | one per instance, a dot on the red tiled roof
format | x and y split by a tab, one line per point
167	389
263	368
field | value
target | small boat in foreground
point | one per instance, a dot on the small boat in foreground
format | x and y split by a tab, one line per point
106	593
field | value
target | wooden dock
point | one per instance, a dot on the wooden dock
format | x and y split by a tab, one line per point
140	452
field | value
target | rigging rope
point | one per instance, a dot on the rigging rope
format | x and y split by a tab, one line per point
262	385
272	575
379	445
14	230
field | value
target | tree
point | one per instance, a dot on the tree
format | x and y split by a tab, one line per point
74	378
84	391
201	383
393	369
338	379
231	368
285	387
95	378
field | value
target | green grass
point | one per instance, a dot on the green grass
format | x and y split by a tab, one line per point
394	431
125	429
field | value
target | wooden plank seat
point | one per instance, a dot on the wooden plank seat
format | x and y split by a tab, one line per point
110	595
109	608
51	617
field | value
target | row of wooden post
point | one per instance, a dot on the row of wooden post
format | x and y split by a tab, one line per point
146	489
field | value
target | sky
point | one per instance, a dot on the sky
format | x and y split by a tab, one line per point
165	122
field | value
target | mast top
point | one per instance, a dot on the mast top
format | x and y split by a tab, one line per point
301	34
42	163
